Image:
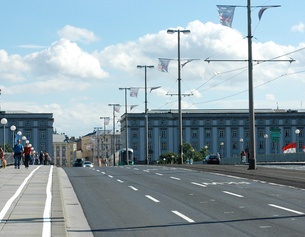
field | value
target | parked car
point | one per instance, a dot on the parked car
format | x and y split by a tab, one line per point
212	159
88	164
78	163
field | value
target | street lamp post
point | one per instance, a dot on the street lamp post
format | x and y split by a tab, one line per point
297	132
4	122
171	31
221	146
13	129
266	137
241	143
113	135
126	123
106	121
146	111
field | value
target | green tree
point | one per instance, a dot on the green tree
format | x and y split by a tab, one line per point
168	158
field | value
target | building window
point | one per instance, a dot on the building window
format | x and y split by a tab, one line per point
28	134
261	145
221	133
194	133
57	151
163	146
163	133
149	133
134	133
64	152
234	133
261	133
207	133
234	145
42	134
247	133
287	132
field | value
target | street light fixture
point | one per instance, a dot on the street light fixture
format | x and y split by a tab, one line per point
13	129
113	135
171	31
146	111
4	122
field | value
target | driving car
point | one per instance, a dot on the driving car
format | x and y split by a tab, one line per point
212	159
78	163
88	164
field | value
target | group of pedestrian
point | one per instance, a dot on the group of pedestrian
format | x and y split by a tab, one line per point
28	157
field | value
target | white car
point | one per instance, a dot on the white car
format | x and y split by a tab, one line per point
88	164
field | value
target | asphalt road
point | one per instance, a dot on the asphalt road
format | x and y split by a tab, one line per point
198	200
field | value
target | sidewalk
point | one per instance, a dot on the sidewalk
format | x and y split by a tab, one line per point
39	201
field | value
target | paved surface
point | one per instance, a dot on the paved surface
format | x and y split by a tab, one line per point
39	201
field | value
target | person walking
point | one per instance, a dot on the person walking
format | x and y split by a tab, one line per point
2	158
27	154
18	150
41	158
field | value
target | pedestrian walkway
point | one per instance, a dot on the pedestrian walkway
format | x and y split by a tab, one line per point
39	201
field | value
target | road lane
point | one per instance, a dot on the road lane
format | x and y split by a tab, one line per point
215	203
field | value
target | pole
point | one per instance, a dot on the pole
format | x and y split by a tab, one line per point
179	104
113	135
146	118
252	146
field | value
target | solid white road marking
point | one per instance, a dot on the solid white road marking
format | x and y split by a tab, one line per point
233	194
286	209
46	230
183	216
151	198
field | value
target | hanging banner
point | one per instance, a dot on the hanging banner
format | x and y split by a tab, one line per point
226	14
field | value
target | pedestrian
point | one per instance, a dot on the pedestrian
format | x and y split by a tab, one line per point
27	154
18	150
36	158
243	157
2	158
41	158
46	158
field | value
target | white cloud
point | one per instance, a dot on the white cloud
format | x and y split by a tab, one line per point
77	34
77	85
298	28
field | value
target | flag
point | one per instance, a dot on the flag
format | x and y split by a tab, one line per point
117	108
303	148
261	11
226	14
290	148
106	120
163	64
134	91
132	106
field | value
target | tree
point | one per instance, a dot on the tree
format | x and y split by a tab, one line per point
168	158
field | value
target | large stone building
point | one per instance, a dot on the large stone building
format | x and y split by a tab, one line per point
37	128
223	131
64	150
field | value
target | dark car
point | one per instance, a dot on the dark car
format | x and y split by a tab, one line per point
78	163
212	159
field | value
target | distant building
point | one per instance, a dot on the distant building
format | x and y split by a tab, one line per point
35	127
64	150
98	146
224	130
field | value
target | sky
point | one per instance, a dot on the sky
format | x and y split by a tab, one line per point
70	58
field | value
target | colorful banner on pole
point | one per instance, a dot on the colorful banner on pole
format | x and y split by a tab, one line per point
226	14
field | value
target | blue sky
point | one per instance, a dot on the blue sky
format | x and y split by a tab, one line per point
70	57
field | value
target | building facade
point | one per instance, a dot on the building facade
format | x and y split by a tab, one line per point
64	150
37	128
223	131
99	145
